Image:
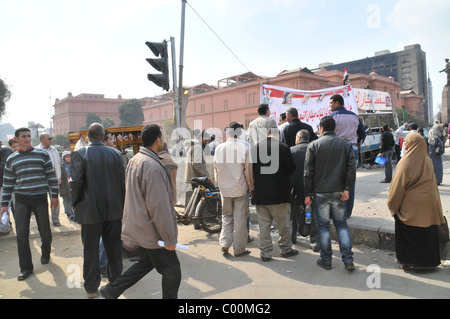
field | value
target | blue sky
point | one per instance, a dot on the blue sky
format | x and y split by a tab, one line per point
49	48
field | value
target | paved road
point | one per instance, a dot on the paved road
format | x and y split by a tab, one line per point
208	274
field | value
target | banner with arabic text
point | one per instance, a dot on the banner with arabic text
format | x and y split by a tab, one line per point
311	105
370	100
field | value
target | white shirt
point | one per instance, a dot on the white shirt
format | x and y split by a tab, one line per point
402	133
54	156
232	168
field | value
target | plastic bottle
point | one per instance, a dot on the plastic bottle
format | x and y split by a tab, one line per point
5	218
308	215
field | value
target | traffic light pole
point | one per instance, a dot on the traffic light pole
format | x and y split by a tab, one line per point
176	101
181	102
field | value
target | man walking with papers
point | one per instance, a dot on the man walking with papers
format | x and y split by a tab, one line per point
149	219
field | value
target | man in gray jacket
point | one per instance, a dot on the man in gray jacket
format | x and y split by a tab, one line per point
149	217
330	173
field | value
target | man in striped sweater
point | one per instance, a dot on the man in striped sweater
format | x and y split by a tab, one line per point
30	175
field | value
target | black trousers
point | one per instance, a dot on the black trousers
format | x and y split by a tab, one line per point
22	214
110	231
166	263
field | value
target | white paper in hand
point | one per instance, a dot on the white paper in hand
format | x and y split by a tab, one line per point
178	246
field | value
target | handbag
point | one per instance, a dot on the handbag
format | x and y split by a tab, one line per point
443	233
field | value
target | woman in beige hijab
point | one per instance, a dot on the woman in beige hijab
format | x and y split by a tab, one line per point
415	204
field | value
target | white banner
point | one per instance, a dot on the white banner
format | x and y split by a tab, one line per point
369	100
311	105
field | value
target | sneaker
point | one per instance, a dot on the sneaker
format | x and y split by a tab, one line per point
324	265
349	266
92	295
293	252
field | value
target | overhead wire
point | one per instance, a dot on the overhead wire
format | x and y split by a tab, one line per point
218	37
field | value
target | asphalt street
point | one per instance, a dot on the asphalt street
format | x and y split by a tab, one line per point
208	274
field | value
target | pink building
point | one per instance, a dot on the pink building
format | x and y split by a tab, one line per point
233	99
70	112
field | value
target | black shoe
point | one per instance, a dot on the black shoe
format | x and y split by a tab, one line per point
384	181
324	265
24	275
266	259
105	293
293	252
349	266
45	259
56	224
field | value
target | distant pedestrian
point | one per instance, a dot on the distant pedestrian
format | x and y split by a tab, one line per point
30	175
259	127
272	167
98	191
435	151
46	145
195	157
403	131
171	169
233	176
387	151
295	125
64	187
415	204
330	173
148	202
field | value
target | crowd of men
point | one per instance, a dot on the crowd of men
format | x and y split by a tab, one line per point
280	168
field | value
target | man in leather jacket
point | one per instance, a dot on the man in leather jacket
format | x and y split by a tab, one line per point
330	173
98	190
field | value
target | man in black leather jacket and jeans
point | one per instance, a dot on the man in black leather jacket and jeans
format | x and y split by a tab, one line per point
98	191
330	173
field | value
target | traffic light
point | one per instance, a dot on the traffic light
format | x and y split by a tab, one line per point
161	64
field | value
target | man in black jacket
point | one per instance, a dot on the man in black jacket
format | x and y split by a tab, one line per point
295	125
272	166
298	189
330	173
98	190
387	151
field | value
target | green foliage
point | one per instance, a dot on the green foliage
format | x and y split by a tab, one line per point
130	113
61	139
91	118
108	122
5	95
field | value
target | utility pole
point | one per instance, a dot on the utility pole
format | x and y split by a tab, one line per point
182	98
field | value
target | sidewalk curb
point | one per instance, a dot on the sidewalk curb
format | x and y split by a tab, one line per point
371	232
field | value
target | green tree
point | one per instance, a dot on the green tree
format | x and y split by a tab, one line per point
5	95
91	118
108	122
62	139
130	113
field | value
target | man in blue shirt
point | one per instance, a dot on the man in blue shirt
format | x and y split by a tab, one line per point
350	128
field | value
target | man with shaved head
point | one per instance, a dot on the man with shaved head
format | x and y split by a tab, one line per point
98	191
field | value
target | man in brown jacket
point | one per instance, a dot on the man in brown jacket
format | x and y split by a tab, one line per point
148	218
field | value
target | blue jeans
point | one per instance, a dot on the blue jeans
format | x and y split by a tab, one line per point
328	206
